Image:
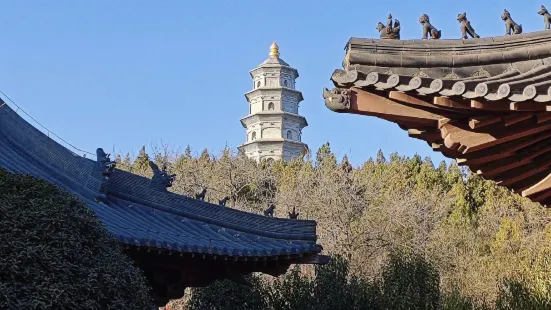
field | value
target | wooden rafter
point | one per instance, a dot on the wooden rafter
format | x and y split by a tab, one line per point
498	140
543	185
366	103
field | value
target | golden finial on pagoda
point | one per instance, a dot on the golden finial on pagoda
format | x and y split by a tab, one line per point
274	50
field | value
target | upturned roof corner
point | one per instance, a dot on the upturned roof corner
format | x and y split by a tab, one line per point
484	101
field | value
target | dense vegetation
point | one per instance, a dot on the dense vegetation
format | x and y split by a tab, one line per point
403	233
484	243
407	282
55	254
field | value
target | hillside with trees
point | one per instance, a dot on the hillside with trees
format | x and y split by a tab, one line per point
390	220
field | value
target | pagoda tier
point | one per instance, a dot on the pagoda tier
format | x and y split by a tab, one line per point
178	241
484	102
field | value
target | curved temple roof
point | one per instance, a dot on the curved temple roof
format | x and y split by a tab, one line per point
140	215
482	101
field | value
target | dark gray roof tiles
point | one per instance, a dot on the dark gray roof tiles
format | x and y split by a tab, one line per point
515	68
138	215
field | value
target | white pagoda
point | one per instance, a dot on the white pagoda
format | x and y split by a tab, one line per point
274	127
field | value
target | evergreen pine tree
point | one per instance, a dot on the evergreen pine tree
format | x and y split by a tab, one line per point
141	164
123	163
324	156
187	153
205	156
345	164
380	157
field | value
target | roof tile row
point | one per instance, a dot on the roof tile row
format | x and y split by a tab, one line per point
137	215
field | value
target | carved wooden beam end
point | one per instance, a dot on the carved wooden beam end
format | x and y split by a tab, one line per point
337	99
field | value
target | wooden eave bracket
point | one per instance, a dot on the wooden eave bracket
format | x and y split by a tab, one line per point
539	187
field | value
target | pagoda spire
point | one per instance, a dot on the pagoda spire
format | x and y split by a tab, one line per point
274	50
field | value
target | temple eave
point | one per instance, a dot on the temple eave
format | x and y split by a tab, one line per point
500	140
171	272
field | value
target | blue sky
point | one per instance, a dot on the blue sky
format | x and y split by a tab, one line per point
122	74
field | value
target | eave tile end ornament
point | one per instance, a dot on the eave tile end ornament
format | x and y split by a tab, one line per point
429	29
347	78
337	99
391	31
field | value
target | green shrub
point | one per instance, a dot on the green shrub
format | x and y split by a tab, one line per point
332	288
335	288
455	301
410	282
56	254
515	294
290	291
225	294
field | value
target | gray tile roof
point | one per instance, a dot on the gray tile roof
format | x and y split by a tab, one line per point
514	67
274	61
138	215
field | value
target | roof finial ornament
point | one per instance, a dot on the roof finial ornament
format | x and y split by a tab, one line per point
161	178
274	50
294	215
546	17
390	31
435	34
106	165
466	28
510	26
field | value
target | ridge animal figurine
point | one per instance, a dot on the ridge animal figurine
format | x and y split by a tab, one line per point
223	201
201	195
546	17
270	210
510	26
389	31
429	29
466	28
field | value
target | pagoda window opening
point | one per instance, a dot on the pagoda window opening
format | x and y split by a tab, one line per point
285	83
257	84
253	136
289	134
271	106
